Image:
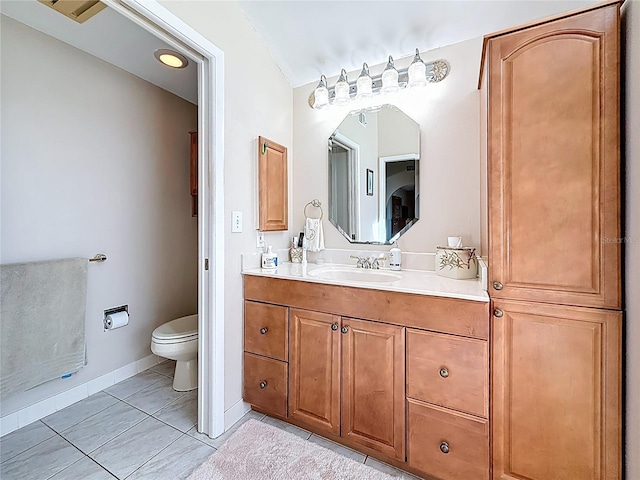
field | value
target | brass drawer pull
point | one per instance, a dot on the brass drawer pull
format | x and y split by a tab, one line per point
444	372
263	384
444	447
498	313
497	285
264	330
334	327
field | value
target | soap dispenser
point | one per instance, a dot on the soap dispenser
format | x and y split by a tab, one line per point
395	257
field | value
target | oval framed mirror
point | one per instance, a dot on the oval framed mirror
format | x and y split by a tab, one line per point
374	158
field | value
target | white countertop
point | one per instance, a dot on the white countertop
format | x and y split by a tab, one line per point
420	282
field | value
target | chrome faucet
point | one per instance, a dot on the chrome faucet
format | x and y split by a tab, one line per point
369	262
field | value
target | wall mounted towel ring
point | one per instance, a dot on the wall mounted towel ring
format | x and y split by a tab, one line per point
98	257
314	203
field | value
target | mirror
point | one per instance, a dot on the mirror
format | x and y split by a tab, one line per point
373	175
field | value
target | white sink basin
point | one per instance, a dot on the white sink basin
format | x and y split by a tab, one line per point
351	274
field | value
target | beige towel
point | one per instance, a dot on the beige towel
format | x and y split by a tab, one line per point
314	234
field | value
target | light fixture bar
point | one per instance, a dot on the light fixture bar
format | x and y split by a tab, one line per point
436	72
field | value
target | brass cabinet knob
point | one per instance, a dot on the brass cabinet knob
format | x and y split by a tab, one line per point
444	447
497	285
498	313
263	384
444	372
334	326
264	330
345	329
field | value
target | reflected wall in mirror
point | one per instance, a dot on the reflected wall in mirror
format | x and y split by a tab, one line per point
373	175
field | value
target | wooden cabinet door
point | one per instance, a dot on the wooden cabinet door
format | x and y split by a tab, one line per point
314	369
554	161
273	186
373	379
556	408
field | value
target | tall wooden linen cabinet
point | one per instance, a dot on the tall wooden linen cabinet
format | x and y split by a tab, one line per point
551	91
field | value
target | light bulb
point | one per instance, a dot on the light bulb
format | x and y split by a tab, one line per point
342	90
390	78
321	94
364	84
417	72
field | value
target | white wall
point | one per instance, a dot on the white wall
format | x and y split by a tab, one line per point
631	102
258	101
448	114
97	160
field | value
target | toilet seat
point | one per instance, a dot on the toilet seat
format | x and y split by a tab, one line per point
180	330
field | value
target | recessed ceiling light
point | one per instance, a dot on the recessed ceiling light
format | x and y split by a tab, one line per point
170	58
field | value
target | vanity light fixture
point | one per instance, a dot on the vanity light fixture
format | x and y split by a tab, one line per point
391	80
417	72
364	84
321	94
342	90
170	58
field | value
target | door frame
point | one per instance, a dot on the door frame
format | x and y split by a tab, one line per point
382	190
159	21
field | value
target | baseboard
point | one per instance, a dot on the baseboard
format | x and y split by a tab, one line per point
235	413
50	405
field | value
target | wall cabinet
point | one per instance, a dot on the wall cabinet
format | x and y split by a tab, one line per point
554	156
553	163
273	186
354	379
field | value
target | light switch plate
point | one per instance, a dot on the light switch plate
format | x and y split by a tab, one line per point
236	222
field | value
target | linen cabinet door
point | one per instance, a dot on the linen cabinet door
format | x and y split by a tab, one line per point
554	162
556	405
373	380
314	369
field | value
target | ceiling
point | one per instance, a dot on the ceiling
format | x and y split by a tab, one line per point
112	38
305	37
308	38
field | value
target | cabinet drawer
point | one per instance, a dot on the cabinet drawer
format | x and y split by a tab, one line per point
265	384
448	370
266	330
447	444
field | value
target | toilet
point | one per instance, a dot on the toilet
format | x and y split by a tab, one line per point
178	340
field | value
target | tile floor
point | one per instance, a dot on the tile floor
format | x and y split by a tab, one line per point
137	429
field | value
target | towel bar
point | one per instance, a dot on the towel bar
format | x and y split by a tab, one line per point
98	257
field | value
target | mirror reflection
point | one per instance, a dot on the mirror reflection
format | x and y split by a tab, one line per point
373	175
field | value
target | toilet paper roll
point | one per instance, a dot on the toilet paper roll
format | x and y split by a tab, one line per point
116	320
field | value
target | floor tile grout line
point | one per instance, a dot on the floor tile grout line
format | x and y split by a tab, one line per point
179	437
144	388
113	438
71	426
156	411
215	449
35	444
169	425
72	463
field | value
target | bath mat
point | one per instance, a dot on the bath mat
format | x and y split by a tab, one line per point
259	451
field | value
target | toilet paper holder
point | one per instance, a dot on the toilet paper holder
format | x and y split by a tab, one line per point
111	311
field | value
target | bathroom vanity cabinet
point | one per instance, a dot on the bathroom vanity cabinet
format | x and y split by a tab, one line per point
551	91
402	377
